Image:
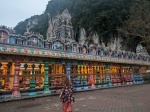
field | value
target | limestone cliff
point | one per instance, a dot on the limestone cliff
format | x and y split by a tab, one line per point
93	38
97	22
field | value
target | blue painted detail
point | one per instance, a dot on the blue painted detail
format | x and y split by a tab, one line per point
77	81
12	39
104	85
68	69
99	86
86	88
78	88
84	80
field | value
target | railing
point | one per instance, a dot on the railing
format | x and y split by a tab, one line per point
24	81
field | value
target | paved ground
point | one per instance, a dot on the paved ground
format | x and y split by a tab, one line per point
121	99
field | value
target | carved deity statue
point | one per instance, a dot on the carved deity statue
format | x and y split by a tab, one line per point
94	51
74	48
67	21
2	38
34	41
84	50
69	35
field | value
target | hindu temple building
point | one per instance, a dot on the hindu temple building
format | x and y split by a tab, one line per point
31	65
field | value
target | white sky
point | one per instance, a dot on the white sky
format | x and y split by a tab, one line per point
14	11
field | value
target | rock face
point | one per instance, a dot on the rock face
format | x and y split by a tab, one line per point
31	23
116	43
93	38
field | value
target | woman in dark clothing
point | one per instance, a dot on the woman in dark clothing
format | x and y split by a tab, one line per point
67	96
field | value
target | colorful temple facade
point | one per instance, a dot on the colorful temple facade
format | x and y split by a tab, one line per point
31	65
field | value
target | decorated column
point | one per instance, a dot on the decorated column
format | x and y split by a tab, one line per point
40	78
25	73
32	83
40	66
108	75
132	75
68	69
140	75
148	73
91	76
0	74
46	81
8	83
16	89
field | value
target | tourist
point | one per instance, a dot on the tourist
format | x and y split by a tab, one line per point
67	96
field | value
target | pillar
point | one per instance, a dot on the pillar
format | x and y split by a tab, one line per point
68	69
91	76
40	66
74	69
108	75
40	78
97	73
25	73
32	83
148	73
140	75
78	69
132	75
46	81
16	89
85	69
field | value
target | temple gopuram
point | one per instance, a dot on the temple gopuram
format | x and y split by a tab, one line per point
31	65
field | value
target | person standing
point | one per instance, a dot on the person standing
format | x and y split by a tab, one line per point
67	96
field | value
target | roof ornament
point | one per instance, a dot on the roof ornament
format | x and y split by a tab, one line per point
2	38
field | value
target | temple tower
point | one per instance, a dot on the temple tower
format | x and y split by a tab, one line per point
141	50
63	26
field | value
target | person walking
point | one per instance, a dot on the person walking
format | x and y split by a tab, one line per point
67	96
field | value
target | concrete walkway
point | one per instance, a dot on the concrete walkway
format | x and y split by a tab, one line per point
121	99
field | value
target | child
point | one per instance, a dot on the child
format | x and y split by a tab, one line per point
67	96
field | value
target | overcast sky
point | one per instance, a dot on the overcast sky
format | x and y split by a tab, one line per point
14	11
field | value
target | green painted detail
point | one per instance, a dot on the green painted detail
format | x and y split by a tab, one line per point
103	80
46	82
32	51
108	75
97	80
32	87
108	80
18	49
43	52
4	48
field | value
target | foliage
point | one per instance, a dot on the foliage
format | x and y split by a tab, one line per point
101	16
146	77
108	18
137	28
41	27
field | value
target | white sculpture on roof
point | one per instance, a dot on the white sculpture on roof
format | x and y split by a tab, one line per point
2	38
